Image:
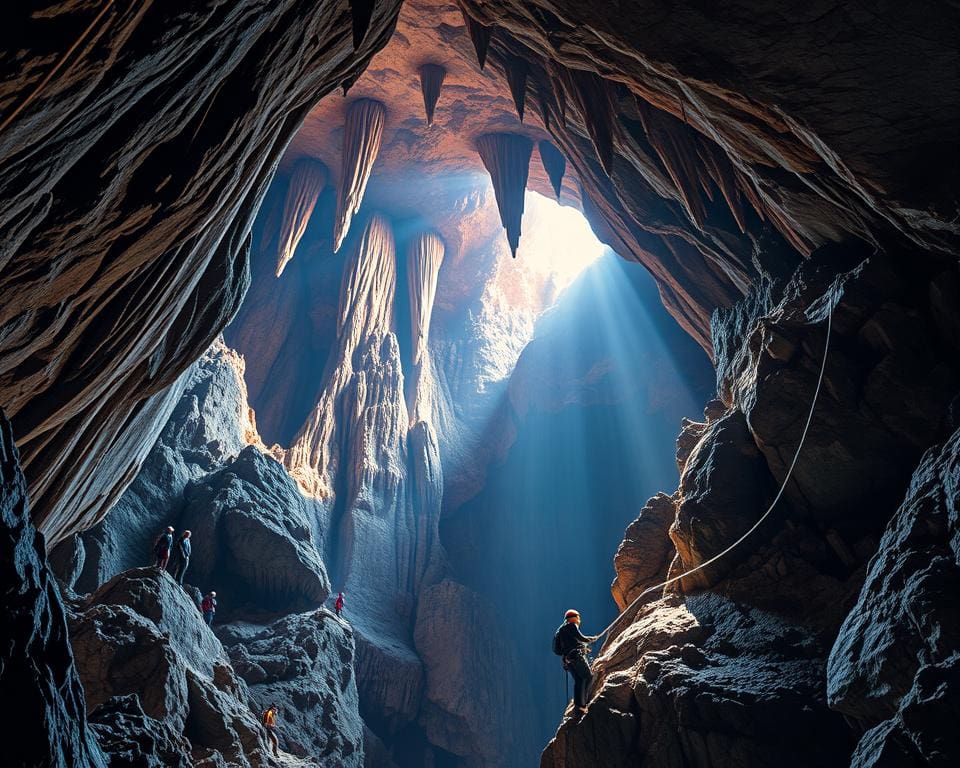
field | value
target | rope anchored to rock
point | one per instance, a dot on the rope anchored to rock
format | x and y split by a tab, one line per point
764	516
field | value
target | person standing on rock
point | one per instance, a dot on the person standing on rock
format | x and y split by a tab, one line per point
209	607
183	557
162	547
270	723
570	643
338	605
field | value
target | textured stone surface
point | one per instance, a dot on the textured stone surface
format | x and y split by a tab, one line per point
894	663
36	661
141	636
208	426
131	178
254	538
470	705
303	663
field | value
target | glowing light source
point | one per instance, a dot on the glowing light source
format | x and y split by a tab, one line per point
557	240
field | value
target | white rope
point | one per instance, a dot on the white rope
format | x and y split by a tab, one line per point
764	516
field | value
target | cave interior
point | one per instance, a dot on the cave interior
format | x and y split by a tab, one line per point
470	312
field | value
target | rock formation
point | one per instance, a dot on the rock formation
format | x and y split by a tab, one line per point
133	164
506	157
36	660
431	81
768	169
306	183
554	163
362	132
424	257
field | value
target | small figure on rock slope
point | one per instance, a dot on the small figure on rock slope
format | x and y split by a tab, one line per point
573	646
270	723
338	605
183	557
209	607
162	547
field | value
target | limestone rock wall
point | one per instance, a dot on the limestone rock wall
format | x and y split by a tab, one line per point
137	144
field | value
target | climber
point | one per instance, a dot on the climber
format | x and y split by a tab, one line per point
570	643
209	607
338	605
183	557
162	547
270	723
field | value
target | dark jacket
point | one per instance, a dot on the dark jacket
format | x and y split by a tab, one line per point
183	546
572	639
164	543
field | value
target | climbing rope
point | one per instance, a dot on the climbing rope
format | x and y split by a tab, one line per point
56	67
764	516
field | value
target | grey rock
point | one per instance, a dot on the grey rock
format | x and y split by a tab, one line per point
303	663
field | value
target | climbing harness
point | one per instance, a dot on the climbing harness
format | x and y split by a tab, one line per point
764	516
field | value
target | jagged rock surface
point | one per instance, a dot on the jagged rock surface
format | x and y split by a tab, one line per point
208	426
254	538
36	662
131	176
304	663
141	636
895	662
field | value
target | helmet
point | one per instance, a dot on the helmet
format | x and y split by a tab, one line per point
571	614
213	594
170	528
186	534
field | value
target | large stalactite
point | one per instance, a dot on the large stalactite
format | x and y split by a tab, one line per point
362	133
506	156
424	257
306	182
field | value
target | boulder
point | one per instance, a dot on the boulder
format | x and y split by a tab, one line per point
646	551
130	737
254	540
303	663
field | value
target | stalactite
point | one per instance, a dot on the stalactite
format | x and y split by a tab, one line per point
362	12
361	143
306	182
479	35
517	70
554	163
431	80
595	103
676	145
506	157
721	170
369	284
424	257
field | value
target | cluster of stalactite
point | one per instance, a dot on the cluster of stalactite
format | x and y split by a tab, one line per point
506	156
424	257
306	182
431	81
362	133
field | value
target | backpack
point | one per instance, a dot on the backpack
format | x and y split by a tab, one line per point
558	644
207	604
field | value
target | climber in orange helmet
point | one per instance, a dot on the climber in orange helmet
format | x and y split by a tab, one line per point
573	646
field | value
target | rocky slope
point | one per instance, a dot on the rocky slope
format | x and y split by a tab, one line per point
758	659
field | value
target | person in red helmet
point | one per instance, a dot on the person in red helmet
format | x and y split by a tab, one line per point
573	646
